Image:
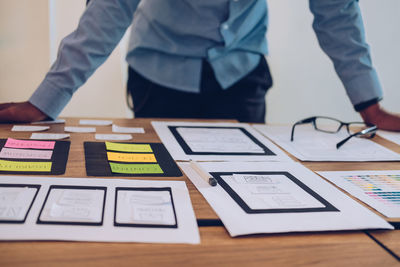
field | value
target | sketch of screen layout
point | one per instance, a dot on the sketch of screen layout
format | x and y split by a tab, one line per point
271	192
73	205
199	140
144	207
16	201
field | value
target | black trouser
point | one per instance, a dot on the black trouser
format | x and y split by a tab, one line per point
244	101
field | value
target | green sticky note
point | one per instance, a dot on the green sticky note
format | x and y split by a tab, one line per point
22	166
135	168
128	147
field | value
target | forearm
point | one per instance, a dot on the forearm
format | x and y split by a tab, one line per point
100	28
340	32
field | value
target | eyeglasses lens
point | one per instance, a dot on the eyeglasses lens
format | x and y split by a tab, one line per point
327	125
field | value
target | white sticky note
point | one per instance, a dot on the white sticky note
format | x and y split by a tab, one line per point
120	129
15	153
144	207
115	137
74	129
29	128
95	122
49	122
49	136
73	205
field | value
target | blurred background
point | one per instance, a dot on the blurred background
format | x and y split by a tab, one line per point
305	83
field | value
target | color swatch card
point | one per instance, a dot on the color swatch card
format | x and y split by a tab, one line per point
311	145
33	156
129	159
277	197
216	142
378	189
102	210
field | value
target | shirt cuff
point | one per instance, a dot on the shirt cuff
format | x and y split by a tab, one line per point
49	99
363	88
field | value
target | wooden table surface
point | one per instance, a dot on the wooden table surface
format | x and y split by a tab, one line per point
354	248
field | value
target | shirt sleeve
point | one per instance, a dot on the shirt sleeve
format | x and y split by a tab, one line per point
340	31
100	29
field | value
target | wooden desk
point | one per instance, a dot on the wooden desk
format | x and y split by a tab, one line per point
217	247
389	239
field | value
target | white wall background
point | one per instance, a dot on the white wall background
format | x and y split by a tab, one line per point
304	79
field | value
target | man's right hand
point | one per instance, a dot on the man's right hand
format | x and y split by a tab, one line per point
20	112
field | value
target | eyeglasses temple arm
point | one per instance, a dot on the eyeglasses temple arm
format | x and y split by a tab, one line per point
372	129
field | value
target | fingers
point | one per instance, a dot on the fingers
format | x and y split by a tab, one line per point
381	118
5	105
20	112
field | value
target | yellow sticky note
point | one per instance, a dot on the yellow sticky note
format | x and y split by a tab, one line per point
22	166
135	168
130	157
128	147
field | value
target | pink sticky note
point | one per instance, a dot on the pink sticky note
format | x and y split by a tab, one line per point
15	143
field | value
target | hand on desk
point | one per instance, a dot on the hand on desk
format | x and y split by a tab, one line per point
378	116
20	112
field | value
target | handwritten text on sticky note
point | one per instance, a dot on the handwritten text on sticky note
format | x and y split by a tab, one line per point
128	147
135	168
131	157
12	153
20	166
15	143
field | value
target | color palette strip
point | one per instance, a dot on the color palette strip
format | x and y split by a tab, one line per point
384	188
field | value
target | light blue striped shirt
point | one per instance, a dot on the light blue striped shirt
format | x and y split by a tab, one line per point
170	39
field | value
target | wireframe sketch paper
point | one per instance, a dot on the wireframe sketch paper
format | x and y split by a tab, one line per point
378	189
312	145
16	201
391	136
103	210
149	207
216	142
275	197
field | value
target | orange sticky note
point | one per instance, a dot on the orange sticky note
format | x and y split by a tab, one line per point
130	157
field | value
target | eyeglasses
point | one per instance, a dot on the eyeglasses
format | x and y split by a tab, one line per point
331	125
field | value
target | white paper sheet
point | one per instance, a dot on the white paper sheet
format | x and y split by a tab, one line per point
391	136
29	128
113	137
378	189
49	136
95	122
120	129
68	205
351	215
312	145
74	129
49	122
217	142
